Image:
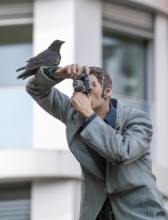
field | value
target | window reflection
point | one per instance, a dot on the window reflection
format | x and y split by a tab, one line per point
124	59
12	57
15	49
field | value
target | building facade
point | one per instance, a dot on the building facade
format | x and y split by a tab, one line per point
39	177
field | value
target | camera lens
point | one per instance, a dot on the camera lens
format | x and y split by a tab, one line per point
77	83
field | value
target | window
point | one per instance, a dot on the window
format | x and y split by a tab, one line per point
15	49
16	31
124	58
15	201
15	38
127	34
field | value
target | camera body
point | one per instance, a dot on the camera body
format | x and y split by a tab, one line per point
83	83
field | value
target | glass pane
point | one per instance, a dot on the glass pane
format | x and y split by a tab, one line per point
12	57
15	49
15	118
124	59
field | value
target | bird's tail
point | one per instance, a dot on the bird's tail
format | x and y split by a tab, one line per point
21	68
25	74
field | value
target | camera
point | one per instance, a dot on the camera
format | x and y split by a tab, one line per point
83	83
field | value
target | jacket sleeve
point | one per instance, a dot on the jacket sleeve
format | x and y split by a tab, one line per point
42	90
120	148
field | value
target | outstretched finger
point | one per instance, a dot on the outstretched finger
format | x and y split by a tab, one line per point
86	69
79	70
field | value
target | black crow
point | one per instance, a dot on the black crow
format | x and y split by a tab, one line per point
49	57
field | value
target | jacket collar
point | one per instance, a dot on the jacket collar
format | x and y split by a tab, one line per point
111	116
119	112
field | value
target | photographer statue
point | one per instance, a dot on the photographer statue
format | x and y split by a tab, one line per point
110	141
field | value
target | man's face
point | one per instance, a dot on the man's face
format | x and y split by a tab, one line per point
96	95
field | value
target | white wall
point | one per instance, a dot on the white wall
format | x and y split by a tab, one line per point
161	89
78	22
31	165
54	199
53	20
88	32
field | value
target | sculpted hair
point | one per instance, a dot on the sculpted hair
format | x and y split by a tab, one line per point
102	76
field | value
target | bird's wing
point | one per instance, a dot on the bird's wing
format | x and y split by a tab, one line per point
48	59
33	61
37	57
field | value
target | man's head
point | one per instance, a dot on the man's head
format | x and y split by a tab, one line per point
99	89
102	76
102	89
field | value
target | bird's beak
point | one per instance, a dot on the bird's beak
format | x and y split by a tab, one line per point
62	42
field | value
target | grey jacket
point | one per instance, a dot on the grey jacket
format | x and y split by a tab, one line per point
129	181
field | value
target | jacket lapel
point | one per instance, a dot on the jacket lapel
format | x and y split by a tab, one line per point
119	113
78	147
